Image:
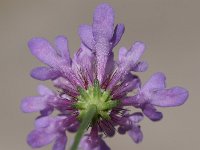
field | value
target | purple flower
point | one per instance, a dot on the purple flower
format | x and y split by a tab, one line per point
153	93
94	81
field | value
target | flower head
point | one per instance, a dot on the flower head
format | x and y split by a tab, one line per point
93	88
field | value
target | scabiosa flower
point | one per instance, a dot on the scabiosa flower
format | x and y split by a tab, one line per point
93	88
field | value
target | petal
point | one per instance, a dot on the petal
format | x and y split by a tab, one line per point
73	127
170	97
122	130
134	54
83	63
122	54
44	91
33	104
136	134
131	101
156	82
44	73
102	60
130	83
86	145
152	113
60	142
47	111
38	138
84	57
140	66
110	64
102	146
118	32
42	49
136	117
62	45
66	85
86	35
43	122
127	62
107	128
103	21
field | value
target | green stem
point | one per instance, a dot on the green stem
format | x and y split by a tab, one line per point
87	119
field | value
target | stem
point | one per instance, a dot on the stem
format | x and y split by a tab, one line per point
92	109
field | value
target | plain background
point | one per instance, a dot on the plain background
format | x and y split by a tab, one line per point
170	29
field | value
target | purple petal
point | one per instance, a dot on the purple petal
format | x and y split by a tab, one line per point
42	122
136	117
66	85
156	82
42	49
140	67
127	62
83	63
33	104
44	91
47	111
170	97
130	83
73	127
102	146
152	113
38	138
103	21
86	35
118	32
132	101
110	64
86	145
60	142
136	134
122	130
84	57
62	45
106	128
122	54
102	61
134	54
44	73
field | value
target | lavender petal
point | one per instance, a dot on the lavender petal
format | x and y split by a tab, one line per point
60	142
86	35
33	104
170	97
140	67
136	134
152	113
44	91
156	82
44	73
39	137
103	21
62	45
118	32
43	50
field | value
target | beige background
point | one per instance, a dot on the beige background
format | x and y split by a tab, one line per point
170	29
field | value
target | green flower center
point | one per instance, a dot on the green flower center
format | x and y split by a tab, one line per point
98	97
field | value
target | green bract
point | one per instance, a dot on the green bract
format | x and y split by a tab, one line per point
94	95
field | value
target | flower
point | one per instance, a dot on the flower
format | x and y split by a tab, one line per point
93	88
